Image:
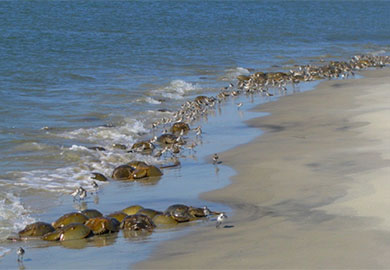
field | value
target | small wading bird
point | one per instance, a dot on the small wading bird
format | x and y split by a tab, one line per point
220	219
75	193
206	210
82	193
239	105
20	253
95	185
215	158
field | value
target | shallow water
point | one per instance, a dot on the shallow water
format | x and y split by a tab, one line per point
75	75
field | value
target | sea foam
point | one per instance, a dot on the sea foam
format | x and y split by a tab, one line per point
13	215
177	89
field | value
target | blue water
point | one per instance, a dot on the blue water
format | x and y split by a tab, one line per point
75	74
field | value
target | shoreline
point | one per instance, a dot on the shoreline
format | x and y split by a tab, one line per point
307	202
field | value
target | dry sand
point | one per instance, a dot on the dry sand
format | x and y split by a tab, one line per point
312	192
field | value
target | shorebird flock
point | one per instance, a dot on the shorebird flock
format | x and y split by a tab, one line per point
262	83
265	84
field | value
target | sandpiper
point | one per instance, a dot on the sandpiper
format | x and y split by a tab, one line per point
221	217
75	193
154	139
95	185
198	131
158	153
239	105
82	193
215	158
20	253
206	211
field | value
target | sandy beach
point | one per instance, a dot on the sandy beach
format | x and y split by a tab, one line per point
312	192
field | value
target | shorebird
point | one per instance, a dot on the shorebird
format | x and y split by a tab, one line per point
95	186
198	131
221	217
82	193
239	105
75	193
191	146
20	253
215	158
154	139
158	153
206	210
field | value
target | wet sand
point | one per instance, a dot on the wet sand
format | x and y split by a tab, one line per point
312	192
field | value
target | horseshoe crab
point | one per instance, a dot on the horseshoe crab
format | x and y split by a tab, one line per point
71	231
123	172
135	170
119	146
243	78
138	223
91	213
97	148
164	220
149	171
99	177
132	210
144	147
101	225
118	215
180	127
136	164
179	212
167	139
66	219
197	212
36	229
148	212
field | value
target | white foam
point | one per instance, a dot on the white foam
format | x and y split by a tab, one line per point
65	180
13	215
149	100
107	135
377	53
4	251
177	89
232	73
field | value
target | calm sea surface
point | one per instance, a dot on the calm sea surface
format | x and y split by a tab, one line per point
76	74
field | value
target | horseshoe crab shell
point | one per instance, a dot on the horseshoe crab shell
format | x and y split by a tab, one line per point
71	231
69	218
179	212
179	127
132	210
164	221
138	223
101	225
118	215
122	172
36	229
149	212
145	147
167	139
91	213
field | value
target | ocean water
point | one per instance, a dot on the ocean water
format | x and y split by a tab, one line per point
78	74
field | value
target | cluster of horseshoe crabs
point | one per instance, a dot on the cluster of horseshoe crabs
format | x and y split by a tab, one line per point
135	170
80	225
177	125
139	219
